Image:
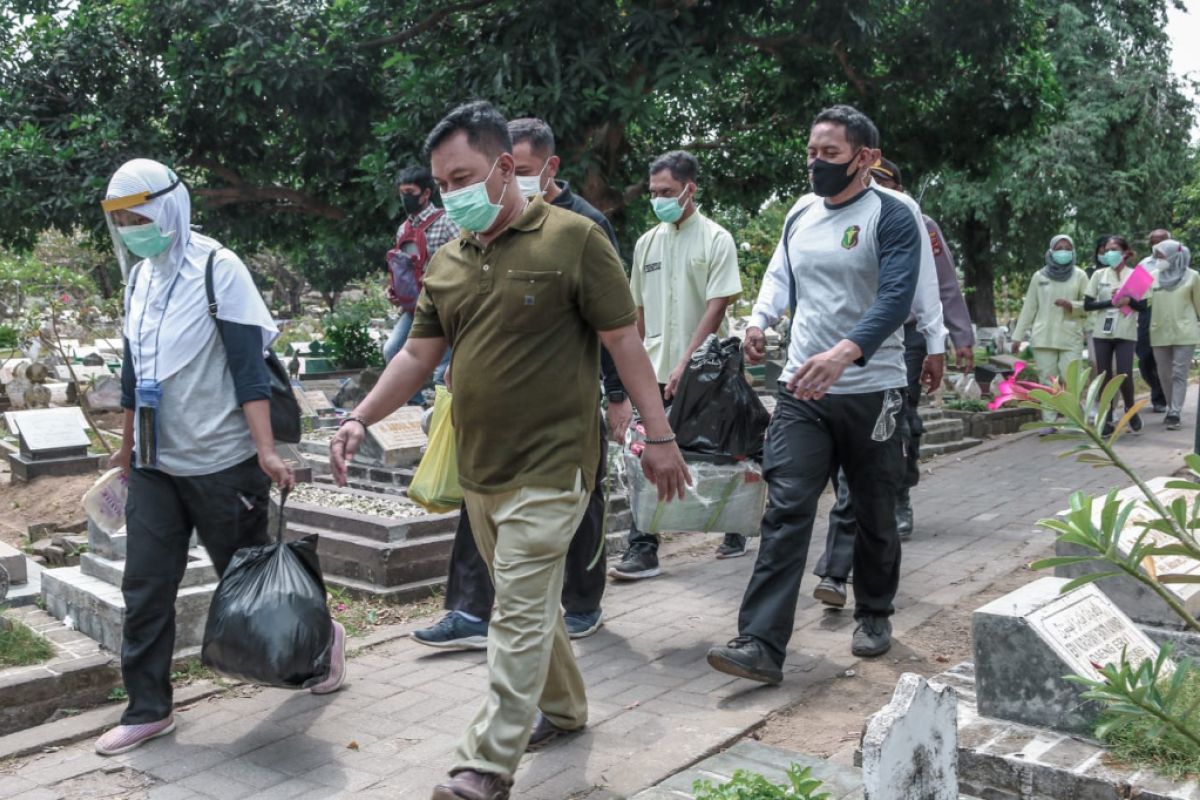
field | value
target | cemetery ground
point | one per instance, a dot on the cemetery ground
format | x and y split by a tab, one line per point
656	706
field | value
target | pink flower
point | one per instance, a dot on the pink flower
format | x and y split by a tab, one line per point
66	298
1012	389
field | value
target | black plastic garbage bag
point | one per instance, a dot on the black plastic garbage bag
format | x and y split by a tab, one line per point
269	623
715	413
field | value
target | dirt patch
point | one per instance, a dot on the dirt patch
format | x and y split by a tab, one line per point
50	499
47	499
828	722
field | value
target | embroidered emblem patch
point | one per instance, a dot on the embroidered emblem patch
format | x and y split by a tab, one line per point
936	242
850	237
528	299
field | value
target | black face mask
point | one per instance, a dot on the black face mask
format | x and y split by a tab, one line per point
412	203
830	179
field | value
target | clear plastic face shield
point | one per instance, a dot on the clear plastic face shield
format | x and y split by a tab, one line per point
122	212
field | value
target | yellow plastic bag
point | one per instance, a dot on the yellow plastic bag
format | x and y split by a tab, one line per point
435	483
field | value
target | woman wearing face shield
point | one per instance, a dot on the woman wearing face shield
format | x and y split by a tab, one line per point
1175	326
1114	333
1052	315
197	443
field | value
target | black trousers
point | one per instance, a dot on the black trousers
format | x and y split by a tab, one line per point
1120	353
469	586
160	514
838	559
808	441
639	539
1148	366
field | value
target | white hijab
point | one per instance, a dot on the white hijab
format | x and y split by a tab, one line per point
165	337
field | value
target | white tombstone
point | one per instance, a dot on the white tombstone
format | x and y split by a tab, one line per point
910	746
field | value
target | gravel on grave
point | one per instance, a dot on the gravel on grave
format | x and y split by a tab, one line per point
381	506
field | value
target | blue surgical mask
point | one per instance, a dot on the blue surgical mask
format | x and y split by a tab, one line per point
1062	257
668	209
471	208
1110	258
145	241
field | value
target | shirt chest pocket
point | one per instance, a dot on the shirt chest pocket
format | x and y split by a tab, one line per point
530	301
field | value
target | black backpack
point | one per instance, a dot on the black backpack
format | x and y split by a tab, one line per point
285	411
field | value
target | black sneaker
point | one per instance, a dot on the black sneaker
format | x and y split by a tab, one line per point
733	546
1158	408
872	637
638	563
831	592
1172	422
1107	430
1135	423
745	658
454	632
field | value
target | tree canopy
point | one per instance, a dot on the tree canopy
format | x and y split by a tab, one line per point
290	118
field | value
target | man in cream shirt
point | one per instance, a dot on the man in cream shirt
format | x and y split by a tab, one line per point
685	274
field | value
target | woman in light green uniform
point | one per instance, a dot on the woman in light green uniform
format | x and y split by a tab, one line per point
1114	333
1175	326
1052	315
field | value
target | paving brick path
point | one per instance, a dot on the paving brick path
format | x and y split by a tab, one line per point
655	705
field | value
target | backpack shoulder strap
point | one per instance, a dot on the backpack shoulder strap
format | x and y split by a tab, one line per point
432	218
208	284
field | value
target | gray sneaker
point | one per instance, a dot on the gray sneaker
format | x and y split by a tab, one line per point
454	632
872	637
831	592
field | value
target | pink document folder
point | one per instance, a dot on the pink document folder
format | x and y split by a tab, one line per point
1135	287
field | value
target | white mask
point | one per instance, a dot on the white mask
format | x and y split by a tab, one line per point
531	185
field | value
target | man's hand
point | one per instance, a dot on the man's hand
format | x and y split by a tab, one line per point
819	373
620	416
122	458
673	380
666	469
754	346
965	356
343	447
279	472
1065	305
932	371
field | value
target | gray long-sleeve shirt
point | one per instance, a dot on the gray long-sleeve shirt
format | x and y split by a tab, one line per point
954	307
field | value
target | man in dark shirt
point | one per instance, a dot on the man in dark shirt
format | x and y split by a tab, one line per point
469	590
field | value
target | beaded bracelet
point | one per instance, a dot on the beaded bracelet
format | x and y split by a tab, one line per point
353	418
663	440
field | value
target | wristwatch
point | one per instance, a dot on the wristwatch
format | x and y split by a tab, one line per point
616	397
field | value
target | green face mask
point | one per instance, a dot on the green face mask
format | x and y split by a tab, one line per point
1062	257
668	209
145	241
471	208
1110	258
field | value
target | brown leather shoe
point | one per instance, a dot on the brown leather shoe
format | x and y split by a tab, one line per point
472	785
544	732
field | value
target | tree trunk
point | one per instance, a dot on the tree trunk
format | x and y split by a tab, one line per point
978	272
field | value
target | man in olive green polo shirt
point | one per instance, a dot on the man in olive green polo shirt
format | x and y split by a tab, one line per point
521	297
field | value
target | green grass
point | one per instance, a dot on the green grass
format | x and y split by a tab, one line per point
1142	743
21	647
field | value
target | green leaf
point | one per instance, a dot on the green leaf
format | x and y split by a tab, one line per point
1061	561
1084	580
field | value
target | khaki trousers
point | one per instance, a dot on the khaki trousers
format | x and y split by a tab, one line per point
523	536
1052	364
